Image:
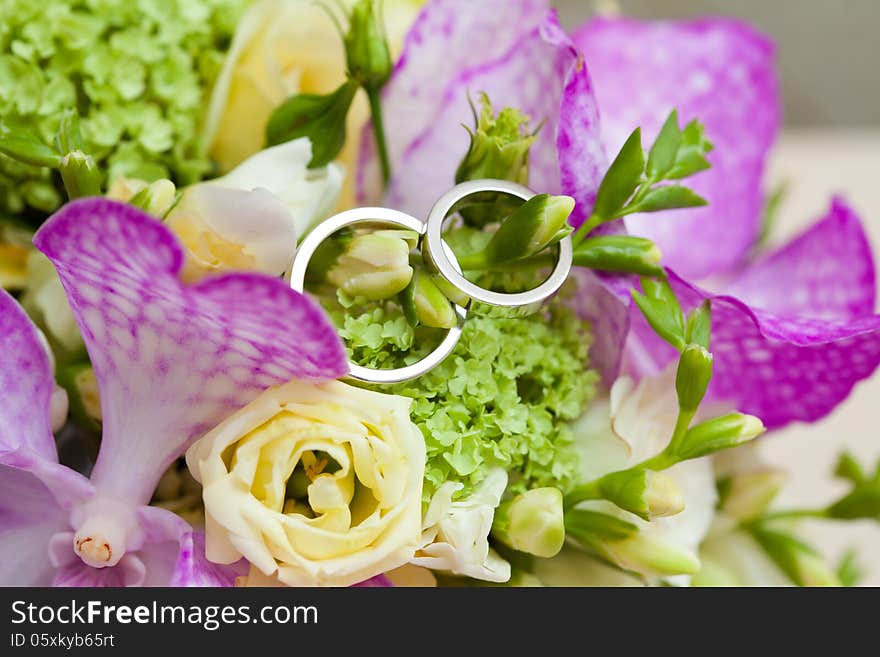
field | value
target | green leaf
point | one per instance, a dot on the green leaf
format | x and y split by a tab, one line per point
620	253
621	179
660	307
849	571
691	156
667	197
862	502
699	324
662	156
29	150
320	118
849	469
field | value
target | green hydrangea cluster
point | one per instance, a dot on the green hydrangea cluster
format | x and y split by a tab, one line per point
503	398
137	71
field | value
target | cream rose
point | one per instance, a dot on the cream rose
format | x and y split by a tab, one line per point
281	48
313	484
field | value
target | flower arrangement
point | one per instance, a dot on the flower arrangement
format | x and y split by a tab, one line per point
174	412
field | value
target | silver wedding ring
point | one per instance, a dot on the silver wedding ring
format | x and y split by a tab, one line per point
381	217
440	257
443	260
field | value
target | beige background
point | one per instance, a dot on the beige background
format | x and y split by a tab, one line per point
827	51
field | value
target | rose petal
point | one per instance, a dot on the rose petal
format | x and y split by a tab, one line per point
438	49
718	70
26	384
781	369
827	272
172	360
29	517
194	569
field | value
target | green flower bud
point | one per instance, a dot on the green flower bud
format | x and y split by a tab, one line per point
321	118
746	496
366	46
156	198
646	493
650	556
535	225
620	253
424	303
693	376
717	434
532	522
80	174
373	266
450	291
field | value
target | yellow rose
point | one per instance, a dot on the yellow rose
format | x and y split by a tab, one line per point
280	48
313	484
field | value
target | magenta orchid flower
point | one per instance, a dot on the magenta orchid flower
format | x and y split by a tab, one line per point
792	331
171	362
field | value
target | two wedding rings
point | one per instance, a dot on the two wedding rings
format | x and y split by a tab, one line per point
442	261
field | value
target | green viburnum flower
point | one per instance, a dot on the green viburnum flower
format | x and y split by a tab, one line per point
503	398
137	72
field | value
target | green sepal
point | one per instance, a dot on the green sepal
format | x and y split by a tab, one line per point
666	197
699	325
662	155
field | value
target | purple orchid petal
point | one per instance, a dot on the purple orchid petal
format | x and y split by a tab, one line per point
720	71
827	272
438	48
194	569
781	369
529	64
173	360
26	384
605	302
130	571
29	517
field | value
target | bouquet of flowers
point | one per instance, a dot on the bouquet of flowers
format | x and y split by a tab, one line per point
305	295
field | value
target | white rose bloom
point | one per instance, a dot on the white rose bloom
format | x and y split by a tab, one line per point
455	534
313	484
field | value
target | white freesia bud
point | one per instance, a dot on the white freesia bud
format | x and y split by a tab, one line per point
455	534
313	484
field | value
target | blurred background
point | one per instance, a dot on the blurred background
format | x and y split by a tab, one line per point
830	143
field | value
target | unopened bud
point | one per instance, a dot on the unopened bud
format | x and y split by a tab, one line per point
650	556
424	303
366	46
717	434
373	266
746	496
535	225
80	175
693	376
620	253
156	198
646	493
532	522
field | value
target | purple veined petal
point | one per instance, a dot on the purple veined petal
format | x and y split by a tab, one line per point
194	569
605	302
718	70
26	384
448	38
542	75
173	360
130	571
782	369
29	517
827	272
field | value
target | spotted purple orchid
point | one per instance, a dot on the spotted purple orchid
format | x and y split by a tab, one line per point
793	330
171	361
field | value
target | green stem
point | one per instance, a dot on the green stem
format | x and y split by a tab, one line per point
792	514
588	491
379	132
477	262
585	229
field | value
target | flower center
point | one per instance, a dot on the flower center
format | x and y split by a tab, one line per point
103	531
95	551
